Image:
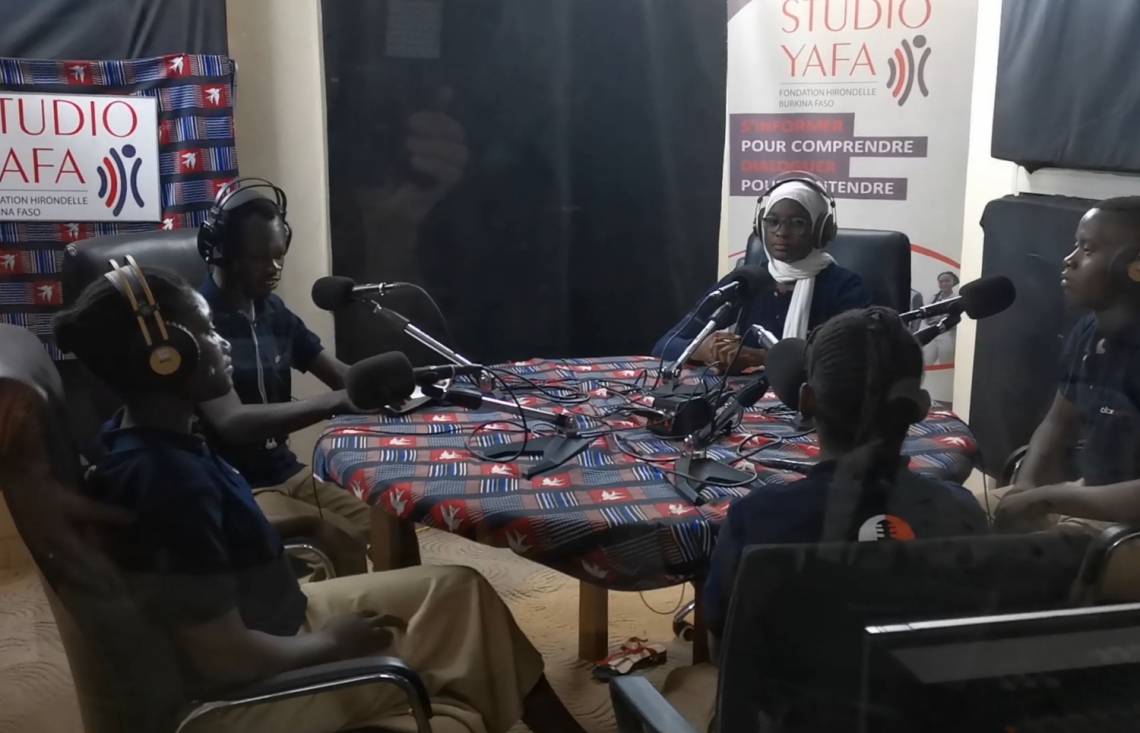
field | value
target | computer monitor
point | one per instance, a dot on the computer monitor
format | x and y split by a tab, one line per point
1062	670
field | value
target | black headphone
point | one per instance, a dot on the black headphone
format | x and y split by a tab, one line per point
212	233
825	229
168	349
1126	266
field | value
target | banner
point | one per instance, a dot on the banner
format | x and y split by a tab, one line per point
75	158
874	97
192	155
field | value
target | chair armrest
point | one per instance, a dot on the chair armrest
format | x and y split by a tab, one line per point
640	708
325	678
1095	564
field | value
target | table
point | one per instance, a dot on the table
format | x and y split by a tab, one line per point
606	518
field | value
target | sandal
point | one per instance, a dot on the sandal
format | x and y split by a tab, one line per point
635	654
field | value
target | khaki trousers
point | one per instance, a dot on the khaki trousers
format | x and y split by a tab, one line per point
462	640
344	529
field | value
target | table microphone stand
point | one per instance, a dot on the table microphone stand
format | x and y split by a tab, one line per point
554	450
928	334
421	336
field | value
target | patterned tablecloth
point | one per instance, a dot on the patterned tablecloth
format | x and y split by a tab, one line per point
605	517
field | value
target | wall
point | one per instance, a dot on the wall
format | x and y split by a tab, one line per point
280	111
988	178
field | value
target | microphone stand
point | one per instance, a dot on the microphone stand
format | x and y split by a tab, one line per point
695	468
672	374
928	334
421	336
553	450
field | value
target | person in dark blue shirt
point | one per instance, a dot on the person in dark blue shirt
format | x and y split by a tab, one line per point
795	221
250	426
863	371
1098	397
208	570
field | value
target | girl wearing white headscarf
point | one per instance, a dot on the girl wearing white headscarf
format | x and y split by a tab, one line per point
810	287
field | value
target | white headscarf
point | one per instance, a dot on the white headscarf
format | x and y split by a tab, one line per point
801	272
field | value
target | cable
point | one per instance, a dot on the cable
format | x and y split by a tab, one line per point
777	440
680	602
651	461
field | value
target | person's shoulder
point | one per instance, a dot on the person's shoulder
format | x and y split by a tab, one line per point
842	277
155	467
1082	333
766	501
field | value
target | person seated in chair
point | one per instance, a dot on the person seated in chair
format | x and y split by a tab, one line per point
245	241
208	569
1098	398
795	221
863	371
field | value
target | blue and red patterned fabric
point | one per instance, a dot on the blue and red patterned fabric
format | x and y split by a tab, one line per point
196	151
604	517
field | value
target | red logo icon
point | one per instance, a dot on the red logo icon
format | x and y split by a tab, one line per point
190	161
79	73
177	67
215	96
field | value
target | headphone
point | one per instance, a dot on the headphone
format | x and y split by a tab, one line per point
825	229
1126	266
169	349
212	233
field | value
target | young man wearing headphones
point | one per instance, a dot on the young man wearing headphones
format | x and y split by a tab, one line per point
245	240
1098	398
795	221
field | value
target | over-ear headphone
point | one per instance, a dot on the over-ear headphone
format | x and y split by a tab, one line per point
169	351
212	233
825	229
1126	266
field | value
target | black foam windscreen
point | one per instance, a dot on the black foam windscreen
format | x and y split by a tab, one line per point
987	296
384	379
333	292
787	370
753	278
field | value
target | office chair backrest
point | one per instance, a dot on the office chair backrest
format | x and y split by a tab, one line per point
793	642
85	261
881	258
126	673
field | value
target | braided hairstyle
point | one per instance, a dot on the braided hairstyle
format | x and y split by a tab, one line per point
865	369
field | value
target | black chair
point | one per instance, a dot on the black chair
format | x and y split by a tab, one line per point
126	671
792	650
881	258
92	403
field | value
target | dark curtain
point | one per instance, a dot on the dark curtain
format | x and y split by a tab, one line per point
586	219
1067	84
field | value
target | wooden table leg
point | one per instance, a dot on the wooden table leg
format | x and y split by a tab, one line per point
393	542
700	631
593	622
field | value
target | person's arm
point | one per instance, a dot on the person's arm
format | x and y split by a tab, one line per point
238	423
227	653
1118	502
1045	461
853	295
329	369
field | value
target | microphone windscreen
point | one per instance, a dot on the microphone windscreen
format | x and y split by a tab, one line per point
333	292
987	296
753	278
786	368
384	379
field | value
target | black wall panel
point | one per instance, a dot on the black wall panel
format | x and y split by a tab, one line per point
1068	94
1016	353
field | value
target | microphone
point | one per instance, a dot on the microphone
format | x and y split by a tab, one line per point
716	320
787	370
978	299
739	284
334	292
390	378
733	408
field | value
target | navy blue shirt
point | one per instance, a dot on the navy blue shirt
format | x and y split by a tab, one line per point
836	290
912	506
199	545
265	350
1101	376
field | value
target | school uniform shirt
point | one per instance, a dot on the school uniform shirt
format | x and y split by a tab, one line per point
912	506
836	290
1101	376
198	545
265	350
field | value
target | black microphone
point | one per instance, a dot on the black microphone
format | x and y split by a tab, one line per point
389	378
787	370
334	292
739	284
732	409
978	299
